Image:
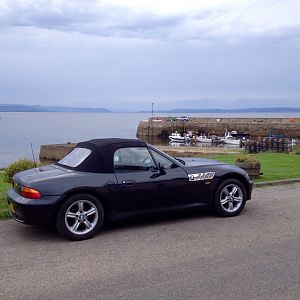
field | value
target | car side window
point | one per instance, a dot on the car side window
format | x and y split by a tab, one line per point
163	161
133	159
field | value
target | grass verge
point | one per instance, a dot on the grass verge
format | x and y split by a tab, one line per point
4	212
275	166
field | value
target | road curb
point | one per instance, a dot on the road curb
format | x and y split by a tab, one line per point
277	182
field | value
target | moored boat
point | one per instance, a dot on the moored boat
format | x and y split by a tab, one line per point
230	140
203	139
240	135
177	137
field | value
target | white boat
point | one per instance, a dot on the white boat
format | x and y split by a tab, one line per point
203	139
177	137
230	140
182	118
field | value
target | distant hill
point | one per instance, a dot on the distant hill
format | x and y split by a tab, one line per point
238	110
39	108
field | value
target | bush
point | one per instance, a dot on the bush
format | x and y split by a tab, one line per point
17	166
245	158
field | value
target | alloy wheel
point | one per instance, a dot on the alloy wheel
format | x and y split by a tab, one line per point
231	198
81	217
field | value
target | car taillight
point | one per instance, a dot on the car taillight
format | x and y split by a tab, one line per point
29	193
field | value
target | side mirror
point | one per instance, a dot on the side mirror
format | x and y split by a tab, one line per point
161	169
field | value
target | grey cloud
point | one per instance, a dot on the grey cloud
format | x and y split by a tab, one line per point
87	17
182	56
122	73
48	17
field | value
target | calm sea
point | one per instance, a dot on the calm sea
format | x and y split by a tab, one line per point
18	130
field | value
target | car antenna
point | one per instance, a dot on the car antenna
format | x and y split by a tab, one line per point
35	165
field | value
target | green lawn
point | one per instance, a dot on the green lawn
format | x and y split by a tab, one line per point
4	213
275	166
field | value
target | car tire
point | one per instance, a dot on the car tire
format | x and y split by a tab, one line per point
80	217
230	198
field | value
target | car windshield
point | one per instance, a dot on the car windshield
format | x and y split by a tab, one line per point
75	157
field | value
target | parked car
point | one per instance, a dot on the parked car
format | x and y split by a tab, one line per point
103	179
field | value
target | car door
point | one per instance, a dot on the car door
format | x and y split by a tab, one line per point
140	184
174	183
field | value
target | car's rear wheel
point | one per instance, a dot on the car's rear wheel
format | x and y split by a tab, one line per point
230	198
80	217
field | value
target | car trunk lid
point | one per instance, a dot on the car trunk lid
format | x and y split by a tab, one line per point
28	177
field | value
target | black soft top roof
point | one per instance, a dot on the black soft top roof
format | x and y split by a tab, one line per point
114	141
101	158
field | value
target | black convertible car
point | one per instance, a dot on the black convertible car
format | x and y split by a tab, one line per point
107	178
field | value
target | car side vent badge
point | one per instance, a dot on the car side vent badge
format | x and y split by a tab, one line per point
201	176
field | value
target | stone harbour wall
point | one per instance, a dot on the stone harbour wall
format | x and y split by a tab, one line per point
256	127
55	152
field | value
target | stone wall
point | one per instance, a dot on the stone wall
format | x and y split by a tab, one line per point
256	127
54	152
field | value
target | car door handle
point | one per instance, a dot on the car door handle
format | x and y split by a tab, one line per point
129	182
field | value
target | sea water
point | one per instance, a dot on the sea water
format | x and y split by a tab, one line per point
19	129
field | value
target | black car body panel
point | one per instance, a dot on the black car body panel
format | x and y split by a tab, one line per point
30	211
186	182
221	170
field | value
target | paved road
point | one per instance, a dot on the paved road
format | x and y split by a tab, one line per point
188	256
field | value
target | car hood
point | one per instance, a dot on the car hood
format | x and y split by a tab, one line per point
194	162
28	177
196	165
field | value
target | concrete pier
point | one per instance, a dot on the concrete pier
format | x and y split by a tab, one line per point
256	127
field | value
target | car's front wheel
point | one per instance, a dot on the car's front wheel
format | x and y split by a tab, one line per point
230	198
80	217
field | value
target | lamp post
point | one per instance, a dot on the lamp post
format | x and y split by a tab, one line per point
152	104
152	109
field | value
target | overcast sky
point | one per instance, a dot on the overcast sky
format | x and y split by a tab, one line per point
123	55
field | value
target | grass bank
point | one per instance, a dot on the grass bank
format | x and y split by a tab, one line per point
275	166
4	213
